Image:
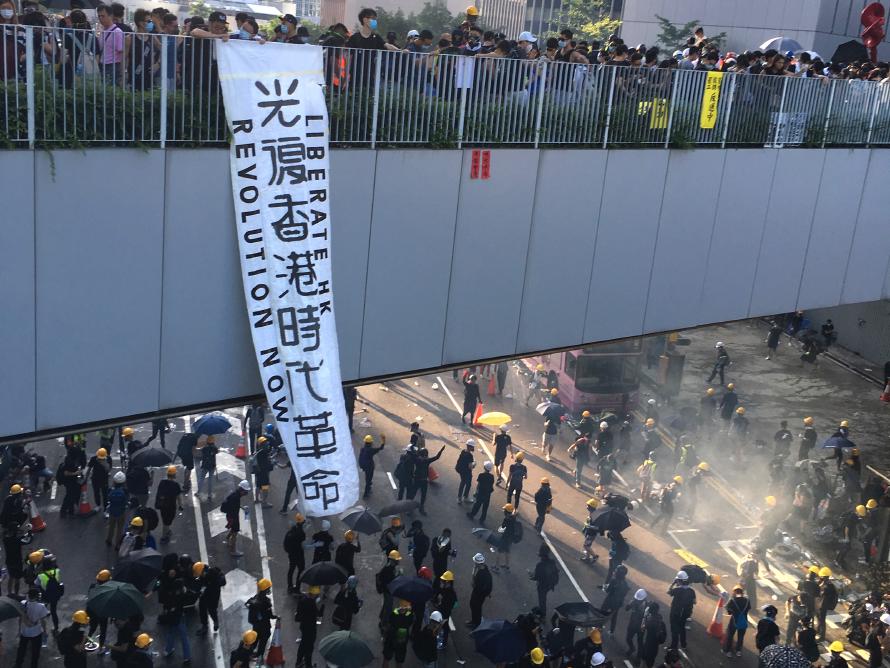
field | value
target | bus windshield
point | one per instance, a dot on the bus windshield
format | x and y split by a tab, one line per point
605	374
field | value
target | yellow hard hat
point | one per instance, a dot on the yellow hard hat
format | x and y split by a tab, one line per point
520	456
808	421
704	466
553	392
261	440
650	422
860	510
871	504
136	522
730	386
837	646
198	569
585	414
171	470
249	637
103	576
825	572
813	569
508	508
844	423
35	557
536	656
394	555
540	367
593	504
299	519
678	479
596	636
369	439
314	590
264	584
711	392
349	536
396	522
15	489
80	617
126	432
447	576
740	410
770	501
101	453
715	578
545	481
143	640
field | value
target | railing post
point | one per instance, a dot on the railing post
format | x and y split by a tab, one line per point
833	82
781	112
674	86
164	65
542	83
29	84
463	110
609	107
874	110
728	115
376	103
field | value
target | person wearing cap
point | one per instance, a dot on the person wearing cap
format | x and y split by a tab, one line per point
167	501
241	656
482	586
502	444
768	632
425	643
346	604
737	611
445	600
116	510
309	610
98	472
515	478
286	31
721	360
397	634
231	507
464	467
207	465
389	537
543	503
485	483
633	637
71	641
366	460
410	37
383	578
666	498
322	541
837	661
293	546
682	603
526	42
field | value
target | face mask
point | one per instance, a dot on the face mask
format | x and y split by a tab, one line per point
150	26
282	29
6	13
244	34
372	24
561	43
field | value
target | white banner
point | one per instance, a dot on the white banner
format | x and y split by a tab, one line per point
279	158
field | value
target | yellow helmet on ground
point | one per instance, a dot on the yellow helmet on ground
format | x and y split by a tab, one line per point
264	584
80	617
143	640
447	576
249	637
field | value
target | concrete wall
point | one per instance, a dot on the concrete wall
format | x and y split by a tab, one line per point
117	305
861	328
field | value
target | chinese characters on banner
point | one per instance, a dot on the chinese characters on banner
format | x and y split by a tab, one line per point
280	172
709	100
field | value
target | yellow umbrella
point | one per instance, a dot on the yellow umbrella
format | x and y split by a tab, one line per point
494	419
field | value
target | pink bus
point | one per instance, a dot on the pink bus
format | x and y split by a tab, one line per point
598	378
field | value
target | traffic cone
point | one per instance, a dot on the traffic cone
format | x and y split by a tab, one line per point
37	523
492	387
240	451
433	474
478	414
885	395
275	655
715	628
85	509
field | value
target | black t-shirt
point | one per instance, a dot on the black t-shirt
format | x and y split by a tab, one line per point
372	41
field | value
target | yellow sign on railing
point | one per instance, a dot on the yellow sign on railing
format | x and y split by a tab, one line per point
709	99
657	110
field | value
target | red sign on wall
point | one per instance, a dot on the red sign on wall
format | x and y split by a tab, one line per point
474	164
486	164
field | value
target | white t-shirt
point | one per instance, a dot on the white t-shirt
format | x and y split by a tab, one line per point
35	612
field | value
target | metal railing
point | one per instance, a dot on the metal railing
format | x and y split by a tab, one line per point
70	87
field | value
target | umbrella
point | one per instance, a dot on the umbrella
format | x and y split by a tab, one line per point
211	424
399	507
783	656
838	441
850	51
782	45
139	568
611	519
115	599
324	573
554	412
361	520
543	406
489	536
10	608
494	419
499	641
148	457
579	613
345	649
412	589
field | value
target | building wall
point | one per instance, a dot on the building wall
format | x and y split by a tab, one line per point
506	16
112	309
863	329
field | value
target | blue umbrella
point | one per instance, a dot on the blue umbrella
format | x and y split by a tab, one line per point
499	641
211	424
838	441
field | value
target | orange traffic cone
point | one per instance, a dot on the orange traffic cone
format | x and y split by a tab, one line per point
85	509
492	387
275	655
477	414
885	395
433	474
240	451
715	628
37	523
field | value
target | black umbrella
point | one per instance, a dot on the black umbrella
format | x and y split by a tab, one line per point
361	520
115	599
324	573
399	507
579	613
850	51
611	519
345	649
10	608
148	457
838	441
489	536
412	589
499	641
139	568
783	656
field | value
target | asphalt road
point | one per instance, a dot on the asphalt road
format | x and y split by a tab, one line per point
718	537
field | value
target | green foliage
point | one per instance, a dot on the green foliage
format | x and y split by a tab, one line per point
672	37
199	8
589	19
435	16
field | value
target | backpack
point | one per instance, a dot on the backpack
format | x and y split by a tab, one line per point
229	506
53	590
740	619
117	501
254	612
517	532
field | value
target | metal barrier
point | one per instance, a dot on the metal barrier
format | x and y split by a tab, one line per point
60	86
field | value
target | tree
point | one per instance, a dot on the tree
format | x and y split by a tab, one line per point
588	19
672	37
395	22
436	17
199	8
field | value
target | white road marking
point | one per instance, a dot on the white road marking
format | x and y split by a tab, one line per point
457	408
53	490
622	481
565	568
673	534
392	482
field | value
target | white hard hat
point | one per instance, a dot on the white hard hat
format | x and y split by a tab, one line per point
413	33
682	575
503	428
436	616
597	659
488	466
244	485
885	618
651	402
640	595
479	558
719	344
471	442
604	425
526	36
325	525
120	477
